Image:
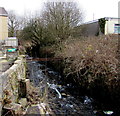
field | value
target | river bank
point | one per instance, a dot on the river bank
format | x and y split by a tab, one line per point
90	68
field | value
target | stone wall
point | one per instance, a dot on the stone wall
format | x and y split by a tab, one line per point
10	82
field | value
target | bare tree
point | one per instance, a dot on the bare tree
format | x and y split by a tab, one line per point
14	23
61	18
54	25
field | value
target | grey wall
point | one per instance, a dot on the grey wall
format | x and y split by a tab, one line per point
91	29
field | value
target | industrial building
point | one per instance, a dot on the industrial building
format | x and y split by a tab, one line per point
112	26
107	25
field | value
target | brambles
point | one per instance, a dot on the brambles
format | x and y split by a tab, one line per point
92	57
92	63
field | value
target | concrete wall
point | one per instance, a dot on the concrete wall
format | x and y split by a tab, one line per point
87	29
9	82
3	27
109	26
92	29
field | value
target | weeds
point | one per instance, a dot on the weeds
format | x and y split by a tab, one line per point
92	57
92	62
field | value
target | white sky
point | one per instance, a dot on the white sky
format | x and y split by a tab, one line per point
100	8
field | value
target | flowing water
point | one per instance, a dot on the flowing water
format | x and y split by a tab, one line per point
59	99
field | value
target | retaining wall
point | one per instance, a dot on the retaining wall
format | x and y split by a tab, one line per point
10	82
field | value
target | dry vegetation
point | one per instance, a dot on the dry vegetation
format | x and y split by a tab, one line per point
92	62
97	56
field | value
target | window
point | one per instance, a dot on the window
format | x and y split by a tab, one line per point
117	28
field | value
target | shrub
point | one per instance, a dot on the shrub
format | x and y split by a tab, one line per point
92	62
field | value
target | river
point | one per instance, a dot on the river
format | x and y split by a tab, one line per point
59	99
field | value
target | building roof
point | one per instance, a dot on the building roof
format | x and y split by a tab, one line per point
95	21
111	18
3	12
89	22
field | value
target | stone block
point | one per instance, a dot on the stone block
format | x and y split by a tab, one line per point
17	62
28	88
23	102
12	109
35	109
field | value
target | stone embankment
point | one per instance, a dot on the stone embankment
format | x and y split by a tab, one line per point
17	95
13	87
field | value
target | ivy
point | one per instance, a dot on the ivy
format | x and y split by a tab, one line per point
102	22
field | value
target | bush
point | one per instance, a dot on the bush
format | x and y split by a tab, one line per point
92	62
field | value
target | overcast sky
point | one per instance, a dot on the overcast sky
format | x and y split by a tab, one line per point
93	9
